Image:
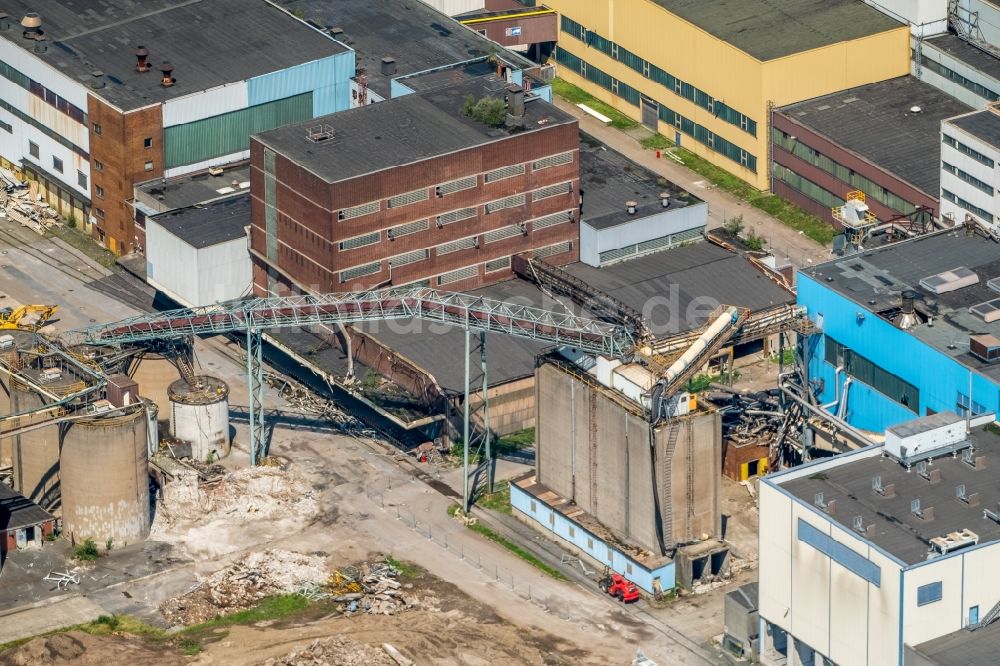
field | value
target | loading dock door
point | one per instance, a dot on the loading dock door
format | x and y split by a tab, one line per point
650	113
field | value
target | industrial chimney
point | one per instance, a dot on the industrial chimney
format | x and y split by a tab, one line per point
32	24
141	55
167	70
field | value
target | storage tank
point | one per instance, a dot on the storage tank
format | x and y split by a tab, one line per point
104	470
36	453
10	342
200	414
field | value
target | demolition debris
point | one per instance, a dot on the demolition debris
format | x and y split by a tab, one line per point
338	650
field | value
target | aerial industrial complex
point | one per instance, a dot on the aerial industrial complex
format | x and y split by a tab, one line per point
497	331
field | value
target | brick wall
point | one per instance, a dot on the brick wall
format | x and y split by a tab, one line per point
309	231
120	149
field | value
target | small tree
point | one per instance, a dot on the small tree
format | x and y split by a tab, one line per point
470	103
754	242
487	110
734	225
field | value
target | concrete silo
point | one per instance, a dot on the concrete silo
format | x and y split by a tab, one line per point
199	414
104	468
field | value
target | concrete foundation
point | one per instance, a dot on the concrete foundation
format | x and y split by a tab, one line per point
105	479
655	487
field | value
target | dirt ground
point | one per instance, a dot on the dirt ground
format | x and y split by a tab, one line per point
462	632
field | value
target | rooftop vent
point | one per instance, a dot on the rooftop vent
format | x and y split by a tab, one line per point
985	347
859	526
337	32
631	207
989	311
515	101
925	514
665	199
954	540
915	109
4	21
956	278
167	70
41	45
962	496
388	66
32	24
141	55
906	318
887	490
97	79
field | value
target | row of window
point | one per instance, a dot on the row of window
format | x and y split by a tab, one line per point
867	372
969	178
493	236
966	150
55	136
654	73
841	172
632	96
467	243
57	164
445	189
805	186
37	89
971	207
952	75
966	406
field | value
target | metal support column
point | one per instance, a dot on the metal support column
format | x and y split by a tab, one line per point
476	439
255	383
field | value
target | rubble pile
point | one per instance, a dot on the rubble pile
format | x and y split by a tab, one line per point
253	493
23	204
244	583
372	589
338	650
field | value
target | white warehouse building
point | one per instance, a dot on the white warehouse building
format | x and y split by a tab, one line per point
867	554
970	153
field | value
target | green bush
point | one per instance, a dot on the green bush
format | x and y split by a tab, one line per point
86	551
734	225
488	110
754	242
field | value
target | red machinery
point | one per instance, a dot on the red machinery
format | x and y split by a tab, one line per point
618	586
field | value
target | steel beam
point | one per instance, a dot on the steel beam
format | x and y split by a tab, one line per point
255	382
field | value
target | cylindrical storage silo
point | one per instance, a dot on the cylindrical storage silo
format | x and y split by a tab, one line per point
105	479
10	341
200	414
36	453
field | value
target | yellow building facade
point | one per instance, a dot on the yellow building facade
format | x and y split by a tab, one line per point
706	72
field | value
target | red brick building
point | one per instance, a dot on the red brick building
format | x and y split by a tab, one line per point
413	191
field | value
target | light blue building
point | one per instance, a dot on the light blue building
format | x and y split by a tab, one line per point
544	510
876	364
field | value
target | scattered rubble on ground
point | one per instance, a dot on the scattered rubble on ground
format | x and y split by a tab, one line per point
254	493
244	583
338	650
23	204
370	588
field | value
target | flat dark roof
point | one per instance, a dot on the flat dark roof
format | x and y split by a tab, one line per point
880	275
195	188
401	131
767	30
608	179
17	511
983	125
972	56
875	122
209	43
210	224
962	647
416	35
700	271
896	529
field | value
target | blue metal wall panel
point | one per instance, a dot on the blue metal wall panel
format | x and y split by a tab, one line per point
329	79
545	92
939	377
560	525
398	89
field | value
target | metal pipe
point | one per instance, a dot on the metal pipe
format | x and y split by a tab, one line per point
723	322
842	407
763	412
836	388
840	423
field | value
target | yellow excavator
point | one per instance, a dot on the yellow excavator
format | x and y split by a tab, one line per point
26	317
